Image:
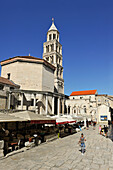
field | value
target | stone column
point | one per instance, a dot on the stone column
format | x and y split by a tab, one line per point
44	49
34	100
62	106
46	104
53	99
54	59
67	109
9	100
70	110
58	113
49	48
22	100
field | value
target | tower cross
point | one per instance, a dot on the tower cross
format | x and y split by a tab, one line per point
53	20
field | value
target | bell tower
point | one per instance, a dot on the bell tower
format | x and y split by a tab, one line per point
52	52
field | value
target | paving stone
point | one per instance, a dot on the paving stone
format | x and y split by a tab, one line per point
94	166
59	163
104	167
97	161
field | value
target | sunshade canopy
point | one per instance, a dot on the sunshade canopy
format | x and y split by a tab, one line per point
34	118
10	118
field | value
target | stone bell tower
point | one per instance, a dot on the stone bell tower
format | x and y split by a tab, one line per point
52	52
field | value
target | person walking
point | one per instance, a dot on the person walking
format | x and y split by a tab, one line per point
94	125
79	127
105	130
87	124
82	141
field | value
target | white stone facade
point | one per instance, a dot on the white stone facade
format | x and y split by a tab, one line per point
96	106
29	75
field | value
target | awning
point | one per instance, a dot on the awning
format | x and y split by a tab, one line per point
62	120
43	121
9	118
34	118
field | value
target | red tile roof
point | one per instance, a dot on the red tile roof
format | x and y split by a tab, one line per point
86	92
8	82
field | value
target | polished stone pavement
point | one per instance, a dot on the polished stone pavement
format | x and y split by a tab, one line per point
64	154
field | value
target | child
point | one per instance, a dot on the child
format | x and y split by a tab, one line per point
82	141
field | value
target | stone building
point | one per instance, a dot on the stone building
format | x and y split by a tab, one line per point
103	109
5	87
82	103
90	104
40	80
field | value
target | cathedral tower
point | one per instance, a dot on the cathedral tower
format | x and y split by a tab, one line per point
52	52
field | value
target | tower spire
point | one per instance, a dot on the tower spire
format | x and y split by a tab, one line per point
53	27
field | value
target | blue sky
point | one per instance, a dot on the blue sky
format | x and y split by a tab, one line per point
86	34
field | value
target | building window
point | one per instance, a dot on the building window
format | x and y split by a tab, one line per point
47	58
11	88
59	61
54	36
52	59
59	49
85	109
1	87
32	102
8	76
47	48
52	47
19	102
50	37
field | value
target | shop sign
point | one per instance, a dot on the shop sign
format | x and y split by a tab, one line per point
103	118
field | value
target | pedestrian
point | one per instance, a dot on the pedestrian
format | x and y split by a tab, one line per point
100	129
94	124
79	127
105	130
109	123
87	124
82	141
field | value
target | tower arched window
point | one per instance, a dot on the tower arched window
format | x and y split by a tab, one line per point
52	47
47	48
47	58
54	36
59	61
49	37
51	59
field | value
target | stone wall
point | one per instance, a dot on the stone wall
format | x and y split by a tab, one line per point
1	148
47	79
30	76
3	102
